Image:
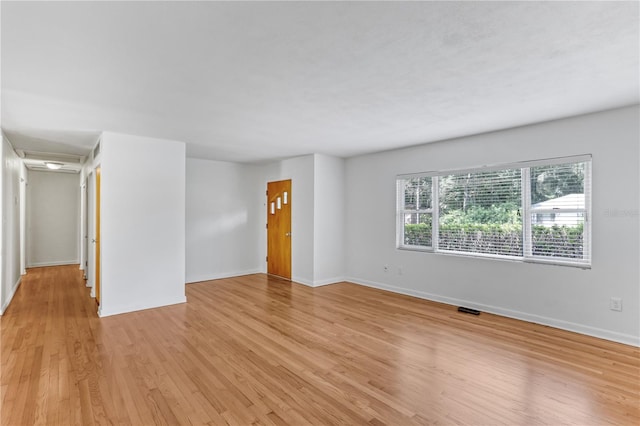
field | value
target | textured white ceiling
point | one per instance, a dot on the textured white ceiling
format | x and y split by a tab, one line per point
250	81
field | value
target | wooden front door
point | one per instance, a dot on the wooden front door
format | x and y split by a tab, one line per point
279	228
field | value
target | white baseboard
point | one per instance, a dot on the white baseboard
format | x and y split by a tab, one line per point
6	303
627	339
328	281
309	283
303	281
102	312
209	277
56	263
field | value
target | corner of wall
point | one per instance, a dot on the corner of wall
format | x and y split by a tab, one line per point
10	266
124	309
2	239
328	281
7	302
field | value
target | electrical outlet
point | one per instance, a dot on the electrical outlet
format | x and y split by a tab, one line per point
615	304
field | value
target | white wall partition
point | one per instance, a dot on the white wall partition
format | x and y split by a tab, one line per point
24	180
142	223
561	296
10	228
329	209
83	235
53	206
2	219
220	220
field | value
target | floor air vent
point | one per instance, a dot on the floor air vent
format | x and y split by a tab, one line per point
468	310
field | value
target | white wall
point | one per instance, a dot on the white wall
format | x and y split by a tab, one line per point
563	297
220	220
87	178
226	216
24	178
300	171
142	223
10	229
317	215
53	205
82	223
329	218
2	220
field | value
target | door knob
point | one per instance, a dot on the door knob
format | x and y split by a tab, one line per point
288	234
93	240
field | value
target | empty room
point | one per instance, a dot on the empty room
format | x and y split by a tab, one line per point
320	213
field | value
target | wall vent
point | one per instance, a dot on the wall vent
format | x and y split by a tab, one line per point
52	156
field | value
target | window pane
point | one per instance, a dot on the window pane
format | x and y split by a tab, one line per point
424	193
558	208
417	229
410	194
480	212
559	186
417	193
563	238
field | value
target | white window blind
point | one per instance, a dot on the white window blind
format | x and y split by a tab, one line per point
537	211
560	198
481	212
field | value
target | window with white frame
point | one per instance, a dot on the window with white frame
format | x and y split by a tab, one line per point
416	211
534	211
557	206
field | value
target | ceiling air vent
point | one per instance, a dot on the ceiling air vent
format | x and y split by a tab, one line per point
52	156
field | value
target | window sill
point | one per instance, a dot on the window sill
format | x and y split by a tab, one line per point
536	260
416	248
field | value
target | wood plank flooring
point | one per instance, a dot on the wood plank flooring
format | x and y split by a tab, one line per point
258	350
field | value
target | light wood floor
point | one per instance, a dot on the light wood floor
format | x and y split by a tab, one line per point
256	350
